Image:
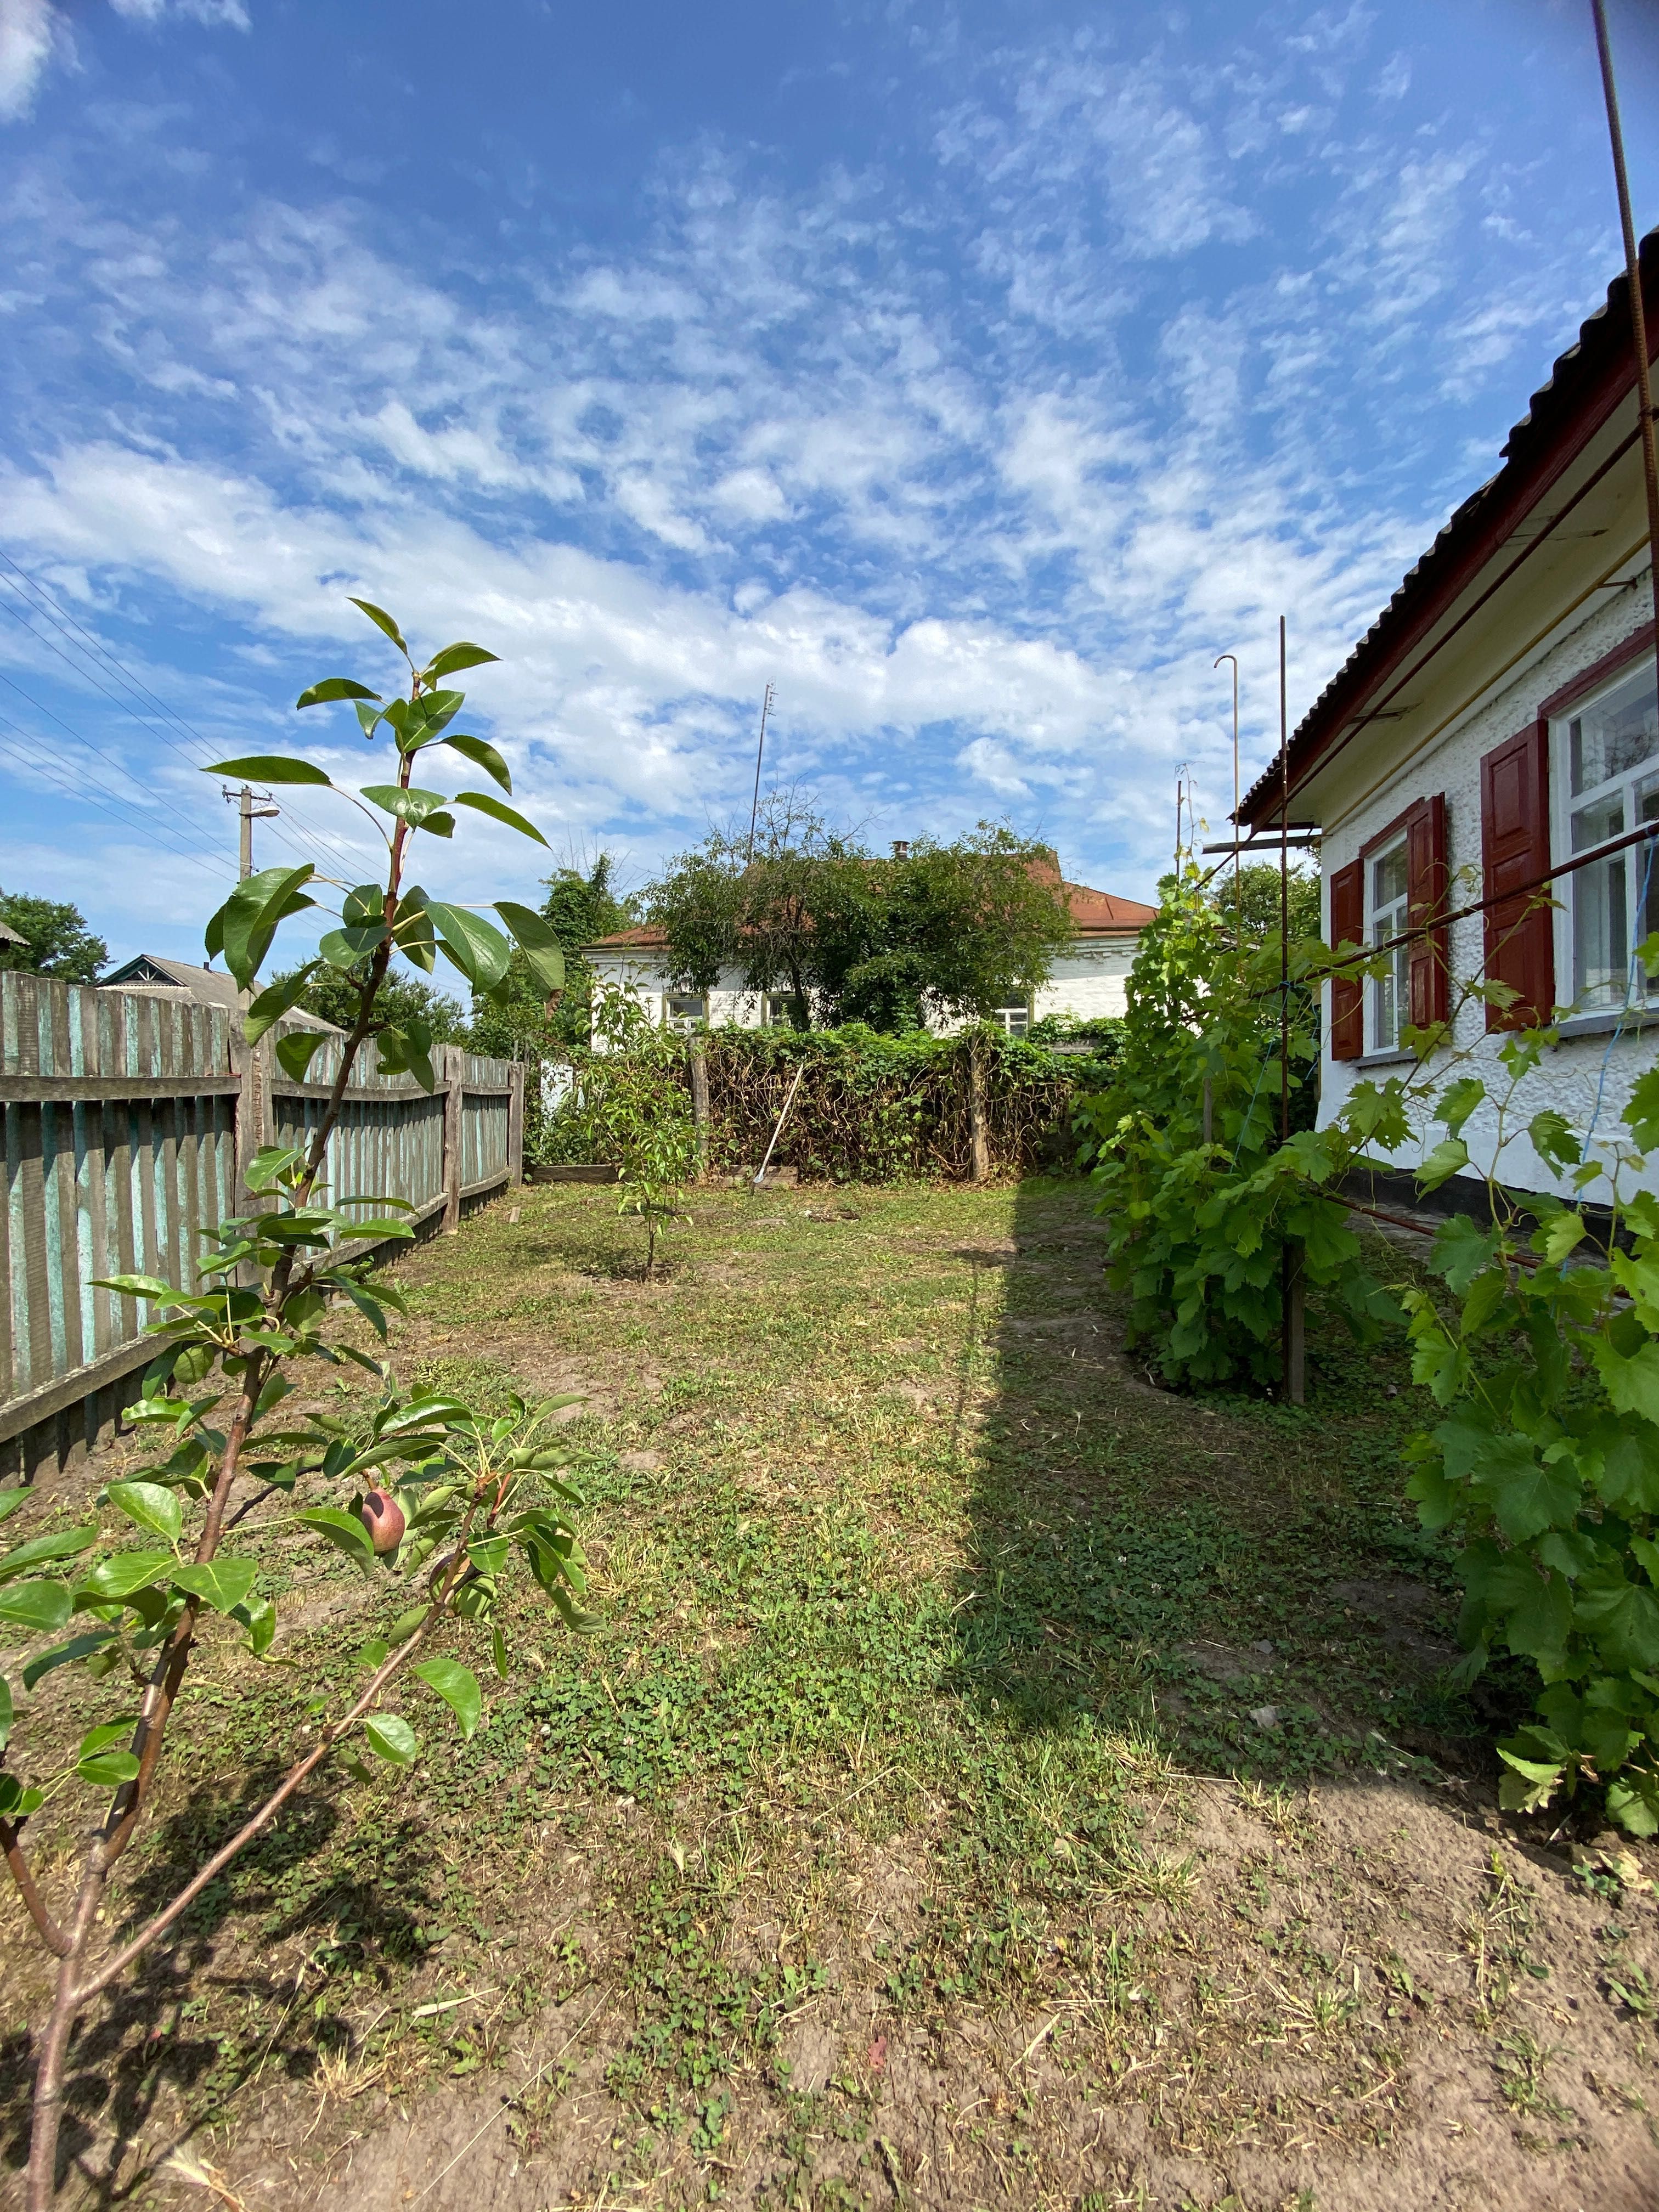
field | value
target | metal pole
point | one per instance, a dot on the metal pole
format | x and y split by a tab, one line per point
248	814
1638	311
1290	1263
754	811
1238	886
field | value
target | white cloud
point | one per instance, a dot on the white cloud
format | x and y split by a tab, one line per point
33	32
28	31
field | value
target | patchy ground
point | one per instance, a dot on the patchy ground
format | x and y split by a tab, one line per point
995	1782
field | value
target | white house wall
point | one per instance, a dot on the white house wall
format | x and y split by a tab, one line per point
1087	983
1571	1071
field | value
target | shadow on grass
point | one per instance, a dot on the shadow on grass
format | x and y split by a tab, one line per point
1239	1585
141	2048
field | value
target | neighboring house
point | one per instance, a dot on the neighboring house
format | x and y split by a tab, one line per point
1497	719
10	936
1088	978
151	976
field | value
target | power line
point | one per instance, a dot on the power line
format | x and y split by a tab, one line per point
93	647
84	795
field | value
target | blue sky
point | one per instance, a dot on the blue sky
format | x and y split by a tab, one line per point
972	373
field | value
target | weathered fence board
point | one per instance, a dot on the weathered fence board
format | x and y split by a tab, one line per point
125	1120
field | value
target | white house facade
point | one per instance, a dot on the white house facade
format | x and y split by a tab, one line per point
1498	722
1088	980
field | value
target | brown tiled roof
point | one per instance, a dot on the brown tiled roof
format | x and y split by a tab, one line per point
1602	363
1096	914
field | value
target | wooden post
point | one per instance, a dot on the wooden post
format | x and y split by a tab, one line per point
1296	1390
699	1103
454	1072
979	1142
515	1126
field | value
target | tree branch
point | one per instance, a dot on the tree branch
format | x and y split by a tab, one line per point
23	1874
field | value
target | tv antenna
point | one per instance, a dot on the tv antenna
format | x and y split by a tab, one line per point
754	811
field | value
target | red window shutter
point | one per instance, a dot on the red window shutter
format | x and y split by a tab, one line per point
1514	855
1347	992
1426	879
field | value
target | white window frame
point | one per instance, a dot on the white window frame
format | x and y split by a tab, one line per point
1621	987
1382	923
775	1012
674	1016
1015	1010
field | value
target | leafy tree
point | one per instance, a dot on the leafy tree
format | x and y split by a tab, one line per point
333	994
56	939
523	1021
1249	906
756	908
430	1492
956	929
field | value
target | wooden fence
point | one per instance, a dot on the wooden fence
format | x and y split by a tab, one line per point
128	1119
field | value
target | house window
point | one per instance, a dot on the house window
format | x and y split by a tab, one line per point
1015	1019
779	1013
1391	990
1610	766
684	1010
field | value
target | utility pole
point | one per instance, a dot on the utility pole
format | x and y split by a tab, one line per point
243	801
754	811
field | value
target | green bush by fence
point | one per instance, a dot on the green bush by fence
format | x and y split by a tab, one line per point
869	1108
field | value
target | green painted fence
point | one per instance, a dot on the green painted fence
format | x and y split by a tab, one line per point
126	1119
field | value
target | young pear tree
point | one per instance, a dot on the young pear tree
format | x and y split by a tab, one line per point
422	1489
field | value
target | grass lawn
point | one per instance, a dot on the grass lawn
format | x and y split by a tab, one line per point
992	1781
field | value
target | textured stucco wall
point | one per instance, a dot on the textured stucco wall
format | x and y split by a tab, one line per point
1570	1074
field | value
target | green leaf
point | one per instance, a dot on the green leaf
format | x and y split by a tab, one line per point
1631	1383
1529	1785
411	805
475	947
498	1652
122	1573
454	657
408	1051
296	1051
276	1000
1554	1140
347	949
1458	1100
1624	1618
65	1544
1527	1496
392	1737
259	1616
5	1713
16	1803
482	803
344	1530
249	917
1641	1112
9	1502
271	767
158	1512
1448	1158
222	1583
457	1686
381	620
489	1554
109	1770
42	1606
332	688
65	1655
1559	1236
482	755
138	1286
536	940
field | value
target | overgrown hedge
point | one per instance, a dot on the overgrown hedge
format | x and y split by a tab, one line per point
871	1107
